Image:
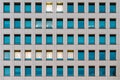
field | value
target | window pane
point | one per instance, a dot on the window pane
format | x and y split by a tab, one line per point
112	39
38	54
59	55
112	55
38	23
6	39
102	39
49	71
38	71
81	39
49	39
91	71
27	23
27	39
17	8
112	7
59	7
70	54
28	55
70	71
6	70
112	23
17	39
81	71
102	7
112	70
59	70
70	39
91	23
49	7
91	55
38	7
17	71
102	23
59	23
91	39
102	55
91	7
70	23
70	7
80	55
80	7
49	54
49	23
59	39
28	71
17	54
38	39
81	23
6	7
28	7
102	71
6	23
6	55
17	23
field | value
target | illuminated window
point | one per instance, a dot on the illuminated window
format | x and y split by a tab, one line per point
70	54
17	54
49	54
49	7
38	54
59	7
59	54
27	54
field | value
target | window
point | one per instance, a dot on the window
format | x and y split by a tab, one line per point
70	23
102	23
28	71
49	54
49	23
28	54
27	39
27	23
59	54
70	39
91	39
91	55
112	23
6	70
112	39
70	71
91	8
80	23
80	7
17	71
17	55
6	55
102	71
38	71
102	8
27	7
102	55
81	39
112	70
59	39
81	71
38	23
49	7
81	55
91	23
59	70
38	39
17	8
59	23
112	7
6	23
17	23
49	71
38	7
17	39
112	55
7	39
91	70
49	39
6	8
70	7
102	39
59	7
70	54
38	54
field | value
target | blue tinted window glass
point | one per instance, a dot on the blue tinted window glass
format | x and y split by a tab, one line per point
91	71
112	23
102	23
112	39
80	55
17	39
70	7
38	71
38	7
17	23
102	71
28	71
70	23
17	71
112	7
81	23
17	8
70	39
59	39
91	23
102	7
102	55
27	39
38	23
81	39
91	7
60	71
49	23
6	7
27	7
6	55
38	39
80	7
59	23
49	71
112	55
49	39
91	39
81	71
6	23
112	70
6	39
91	55
6	70
27	23
102	39
70	71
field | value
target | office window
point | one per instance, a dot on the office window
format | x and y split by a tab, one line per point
17	71
91	70
28	54
81	55
102	71
102	23
27	23
102	39
70	23
80	23
6	70
81	39
70	71
38	54
49	7
17	55
59	54
38	7
91	8
38	39
28	71
6	8
49	39
59	7
27	7
91	39
59	70
38	23
17	8
112	23
102	55
112	55
70	7
59	23
112	70
112	7
17	23
6	23
6	39
112	39
49	23
102	8
6	55
59	39
28	39
49	54
91	23
38	71
91	55
17	39
70	54
81	71
49	71
80	7
70	39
